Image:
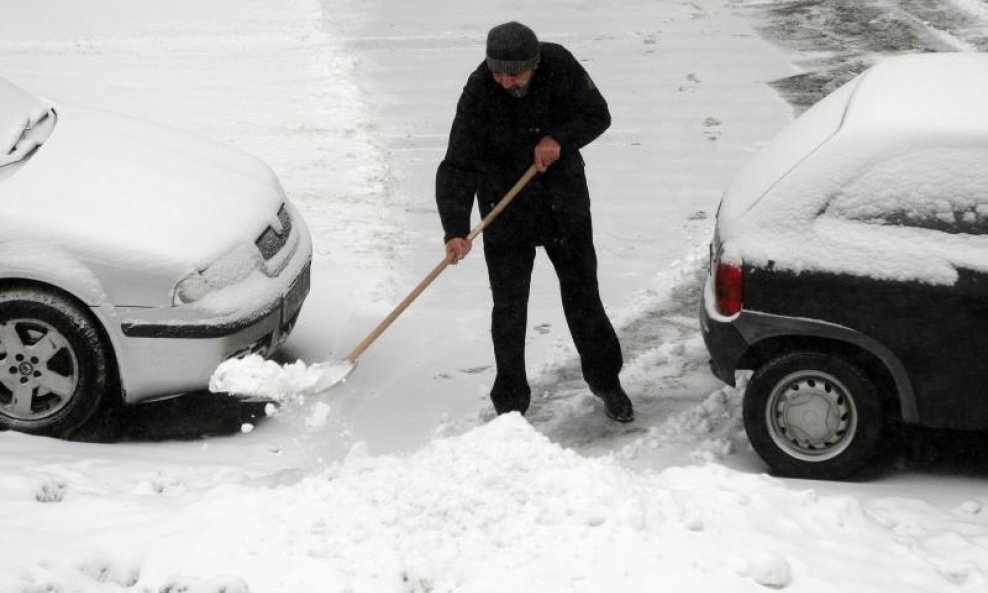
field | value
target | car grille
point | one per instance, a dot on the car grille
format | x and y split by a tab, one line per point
270	242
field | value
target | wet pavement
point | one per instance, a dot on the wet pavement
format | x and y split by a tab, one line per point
835	40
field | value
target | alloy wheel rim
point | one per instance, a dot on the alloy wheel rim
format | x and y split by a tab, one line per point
811	416
39	370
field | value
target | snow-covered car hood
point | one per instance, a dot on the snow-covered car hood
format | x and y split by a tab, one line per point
125	193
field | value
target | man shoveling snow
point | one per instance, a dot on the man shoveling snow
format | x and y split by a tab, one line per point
530	98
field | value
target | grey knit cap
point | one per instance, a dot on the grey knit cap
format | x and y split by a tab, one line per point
512	48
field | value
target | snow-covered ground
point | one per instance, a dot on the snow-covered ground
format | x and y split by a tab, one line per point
399	479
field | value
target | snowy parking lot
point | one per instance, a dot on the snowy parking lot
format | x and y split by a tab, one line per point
401	479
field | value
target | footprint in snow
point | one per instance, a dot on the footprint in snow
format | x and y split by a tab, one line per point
50	490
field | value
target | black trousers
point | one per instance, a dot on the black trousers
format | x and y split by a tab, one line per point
510	271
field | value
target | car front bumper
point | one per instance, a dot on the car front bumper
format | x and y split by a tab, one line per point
164	352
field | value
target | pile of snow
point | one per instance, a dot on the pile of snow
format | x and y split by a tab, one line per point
499	508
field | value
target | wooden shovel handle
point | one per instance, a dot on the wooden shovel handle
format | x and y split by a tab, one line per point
387	321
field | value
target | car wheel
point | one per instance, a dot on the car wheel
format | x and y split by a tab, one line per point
53	363
813	415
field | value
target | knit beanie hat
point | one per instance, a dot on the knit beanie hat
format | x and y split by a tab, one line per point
512	48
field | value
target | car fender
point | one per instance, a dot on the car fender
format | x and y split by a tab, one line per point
40	262
756	327
44	265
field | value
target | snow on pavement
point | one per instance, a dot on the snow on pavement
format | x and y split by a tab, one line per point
400	480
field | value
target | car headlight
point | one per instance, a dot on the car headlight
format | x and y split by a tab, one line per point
190	289
231	268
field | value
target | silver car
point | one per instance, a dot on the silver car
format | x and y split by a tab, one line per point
133	260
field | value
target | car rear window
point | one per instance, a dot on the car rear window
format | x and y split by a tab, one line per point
943	189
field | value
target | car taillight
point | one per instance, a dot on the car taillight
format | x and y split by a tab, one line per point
728	288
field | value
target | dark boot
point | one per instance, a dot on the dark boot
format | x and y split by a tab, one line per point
510	396
617	404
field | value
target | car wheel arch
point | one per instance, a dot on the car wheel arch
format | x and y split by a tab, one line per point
882	366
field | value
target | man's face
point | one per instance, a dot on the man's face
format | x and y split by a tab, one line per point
514	84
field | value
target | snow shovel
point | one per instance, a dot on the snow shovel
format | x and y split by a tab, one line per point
346	366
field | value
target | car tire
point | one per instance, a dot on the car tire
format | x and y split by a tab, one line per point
814	415
54	365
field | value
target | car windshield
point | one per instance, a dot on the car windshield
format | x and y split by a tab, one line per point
25	123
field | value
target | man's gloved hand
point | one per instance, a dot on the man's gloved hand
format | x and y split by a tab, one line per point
458	247
546	153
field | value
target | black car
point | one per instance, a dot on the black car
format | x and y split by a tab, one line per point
849	268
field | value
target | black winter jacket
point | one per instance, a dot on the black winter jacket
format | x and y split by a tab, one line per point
492	142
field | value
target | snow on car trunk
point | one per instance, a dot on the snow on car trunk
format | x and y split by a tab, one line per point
911	142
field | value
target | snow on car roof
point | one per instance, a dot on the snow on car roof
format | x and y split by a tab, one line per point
945	91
